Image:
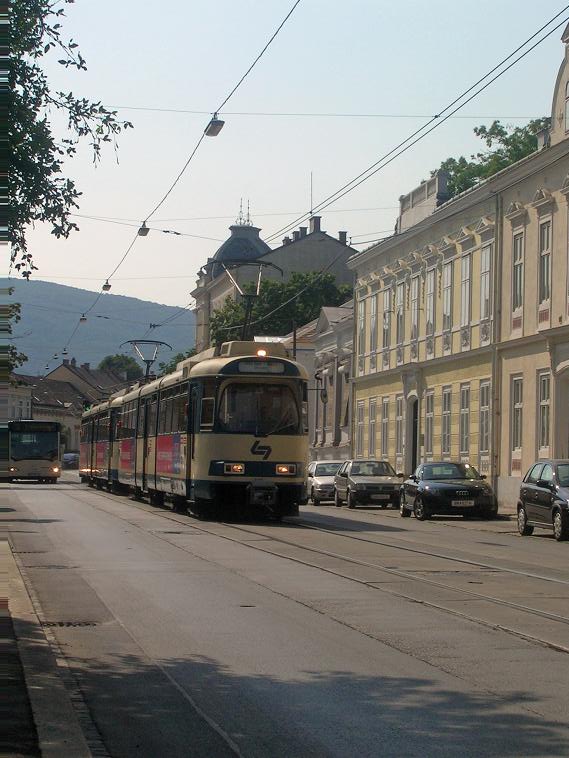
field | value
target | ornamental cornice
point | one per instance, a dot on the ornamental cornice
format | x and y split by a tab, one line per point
543	199
516	212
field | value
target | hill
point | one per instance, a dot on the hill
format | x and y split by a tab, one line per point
51	311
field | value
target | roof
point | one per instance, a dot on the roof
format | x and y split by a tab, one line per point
102	382
244	244
53	393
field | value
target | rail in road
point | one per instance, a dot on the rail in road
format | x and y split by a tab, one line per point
439	580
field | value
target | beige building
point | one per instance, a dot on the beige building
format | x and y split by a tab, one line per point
462	323
308	249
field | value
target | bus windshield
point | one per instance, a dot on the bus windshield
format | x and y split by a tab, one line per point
259	409
34	446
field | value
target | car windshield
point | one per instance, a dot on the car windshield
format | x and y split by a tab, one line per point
563	474
326	469
450	471
34	446
372	468
259	409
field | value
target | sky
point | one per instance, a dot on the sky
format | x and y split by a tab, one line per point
404	60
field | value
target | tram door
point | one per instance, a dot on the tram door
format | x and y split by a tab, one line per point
142	444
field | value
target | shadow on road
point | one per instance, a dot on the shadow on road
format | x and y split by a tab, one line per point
338	524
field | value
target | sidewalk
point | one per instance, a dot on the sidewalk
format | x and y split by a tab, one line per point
38	718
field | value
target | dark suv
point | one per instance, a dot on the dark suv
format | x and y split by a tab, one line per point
543	501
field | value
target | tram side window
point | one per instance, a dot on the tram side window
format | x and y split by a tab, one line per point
179	411
141	419
152	416
207	404
164	409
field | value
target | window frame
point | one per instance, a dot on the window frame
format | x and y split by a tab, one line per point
486	282
484	416
448	275
516	412
543	410
446	420
372	419
386	324
400	313
360	413
430	310
415	292
429	421
465	289
385	427
373	329
518	270
399	424
544	257
464	419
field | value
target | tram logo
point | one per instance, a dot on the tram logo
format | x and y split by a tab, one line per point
258	449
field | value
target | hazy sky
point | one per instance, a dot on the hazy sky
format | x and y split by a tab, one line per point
360	57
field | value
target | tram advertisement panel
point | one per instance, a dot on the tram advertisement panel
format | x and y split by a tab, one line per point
170	454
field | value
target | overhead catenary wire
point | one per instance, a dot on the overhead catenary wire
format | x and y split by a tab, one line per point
186	164
365	175
433	123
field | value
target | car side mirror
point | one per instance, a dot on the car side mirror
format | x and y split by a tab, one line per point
344	475
309	475
483	476
401	475
546	484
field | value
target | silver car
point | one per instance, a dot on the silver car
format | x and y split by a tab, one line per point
367	483
321	480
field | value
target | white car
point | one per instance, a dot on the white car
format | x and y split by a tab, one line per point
321	480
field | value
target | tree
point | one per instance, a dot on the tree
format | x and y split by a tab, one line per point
120	365
15	357
507	145
317	292
169	366
38	190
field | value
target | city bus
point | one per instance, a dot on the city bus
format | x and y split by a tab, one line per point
34	451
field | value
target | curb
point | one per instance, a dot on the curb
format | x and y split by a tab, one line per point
58	730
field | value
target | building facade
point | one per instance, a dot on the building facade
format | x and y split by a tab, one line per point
462	324
308	249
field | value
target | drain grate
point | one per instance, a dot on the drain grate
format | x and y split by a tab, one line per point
67	624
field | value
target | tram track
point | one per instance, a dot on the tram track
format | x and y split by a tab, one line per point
405	575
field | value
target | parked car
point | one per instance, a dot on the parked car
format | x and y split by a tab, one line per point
445	487
367	482
321	480
544	499
70	460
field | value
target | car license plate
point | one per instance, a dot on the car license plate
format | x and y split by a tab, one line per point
380	497
462	503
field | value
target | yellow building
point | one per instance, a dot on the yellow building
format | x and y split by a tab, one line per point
462	321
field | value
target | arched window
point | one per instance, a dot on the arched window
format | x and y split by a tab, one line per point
567	107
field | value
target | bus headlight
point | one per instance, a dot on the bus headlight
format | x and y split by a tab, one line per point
55	469
285	469
234	468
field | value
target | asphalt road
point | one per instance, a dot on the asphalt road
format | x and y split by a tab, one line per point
343	633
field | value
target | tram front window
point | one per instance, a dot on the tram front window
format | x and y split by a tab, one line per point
42	446
259	409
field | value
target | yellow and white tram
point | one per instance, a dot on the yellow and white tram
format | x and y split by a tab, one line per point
227	429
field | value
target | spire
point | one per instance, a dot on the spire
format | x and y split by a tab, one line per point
242	219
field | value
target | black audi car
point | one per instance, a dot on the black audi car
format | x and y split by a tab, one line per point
544	499
447	488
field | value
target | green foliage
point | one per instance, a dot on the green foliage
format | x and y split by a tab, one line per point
169	366
320	291
120	364
37	187
507	145
15	357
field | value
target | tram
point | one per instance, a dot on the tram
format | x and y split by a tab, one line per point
33	451
227	430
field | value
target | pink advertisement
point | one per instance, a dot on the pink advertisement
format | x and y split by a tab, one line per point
169	455
102	456
126	462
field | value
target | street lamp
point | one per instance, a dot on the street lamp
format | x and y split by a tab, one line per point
106	286
143	230
214	126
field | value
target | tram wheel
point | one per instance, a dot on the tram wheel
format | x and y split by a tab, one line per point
179	504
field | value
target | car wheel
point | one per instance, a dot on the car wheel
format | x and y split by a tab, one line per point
337	501
524	528
421	513
403	512
350	500
560	526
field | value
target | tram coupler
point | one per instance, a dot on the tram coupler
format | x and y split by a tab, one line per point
261	494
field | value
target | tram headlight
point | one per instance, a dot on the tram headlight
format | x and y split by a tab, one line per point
55	469
286	469
234	468
12	469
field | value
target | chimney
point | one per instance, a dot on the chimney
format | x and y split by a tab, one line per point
73	362
86	366
286	241
303	230
295	236
315	224
543	139
66	362
343	237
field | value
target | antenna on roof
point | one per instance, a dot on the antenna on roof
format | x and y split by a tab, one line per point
240	221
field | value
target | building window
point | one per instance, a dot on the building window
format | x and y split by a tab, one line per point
485	261
415	308
399	425
567	107
386	318
544	384
518	271
517	412
385	427
361	334
447	296
430	303
445	432
465	290
484	403
544	261
372	418
359	428
465	418
373	330
400	313
429	421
